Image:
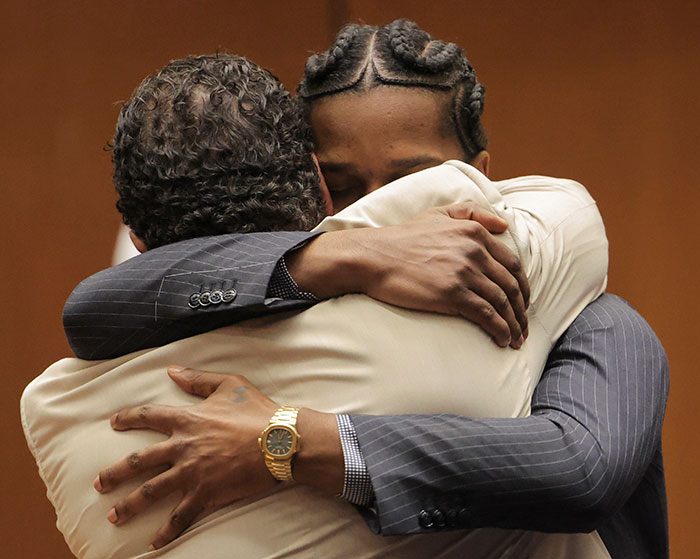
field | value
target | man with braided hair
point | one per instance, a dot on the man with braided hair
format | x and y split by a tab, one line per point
401	54
529	492
616	488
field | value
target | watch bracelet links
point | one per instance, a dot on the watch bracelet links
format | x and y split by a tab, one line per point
282	470
286	414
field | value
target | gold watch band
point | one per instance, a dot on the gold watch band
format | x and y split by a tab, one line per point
286	415
281	469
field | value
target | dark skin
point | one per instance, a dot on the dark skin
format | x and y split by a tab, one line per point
233	413
444	260
364	141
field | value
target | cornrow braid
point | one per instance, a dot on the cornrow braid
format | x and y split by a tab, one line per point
320	64
341	66
408	44
467	109
401	53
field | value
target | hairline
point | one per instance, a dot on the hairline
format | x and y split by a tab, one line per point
447	123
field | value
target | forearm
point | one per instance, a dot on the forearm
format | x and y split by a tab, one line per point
530	474
596	423
528	493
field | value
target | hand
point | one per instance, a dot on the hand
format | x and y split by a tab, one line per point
444	260
213	453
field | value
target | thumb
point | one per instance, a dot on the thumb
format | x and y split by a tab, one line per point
199	383
469	210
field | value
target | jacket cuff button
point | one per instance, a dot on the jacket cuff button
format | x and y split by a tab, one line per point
438	518
216	297
425	519
204	298
452	518
464	518
229	295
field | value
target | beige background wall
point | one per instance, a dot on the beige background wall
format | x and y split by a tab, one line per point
602	92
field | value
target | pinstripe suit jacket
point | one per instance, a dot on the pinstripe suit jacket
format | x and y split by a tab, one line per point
143	302
597	411
589	456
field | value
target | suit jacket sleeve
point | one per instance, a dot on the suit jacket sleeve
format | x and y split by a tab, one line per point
594	429
154	299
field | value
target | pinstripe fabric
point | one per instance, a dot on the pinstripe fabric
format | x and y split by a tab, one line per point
143	302
589	456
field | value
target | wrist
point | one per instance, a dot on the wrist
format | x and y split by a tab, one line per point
334	264
319	462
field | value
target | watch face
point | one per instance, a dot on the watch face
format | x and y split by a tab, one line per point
279	442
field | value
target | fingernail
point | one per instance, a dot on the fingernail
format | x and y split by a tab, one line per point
176	369
97	484
519	342
112	516
151	547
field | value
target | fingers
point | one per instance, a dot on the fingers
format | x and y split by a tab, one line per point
488	306
493	224
469	210
483	314
518	294
199	383
134	464
499	306
508	299
495	276
180	519
140	499
154	417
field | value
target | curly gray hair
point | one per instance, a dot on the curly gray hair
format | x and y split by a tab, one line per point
211	145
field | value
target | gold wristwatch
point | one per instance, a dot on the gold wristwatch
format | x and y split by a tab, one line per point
280	441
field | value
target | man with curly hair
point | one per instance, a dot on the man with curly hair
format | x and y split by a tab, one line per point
212	145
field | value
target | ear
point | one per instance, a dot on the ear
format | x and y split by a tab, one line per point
328	201
481	162
138	243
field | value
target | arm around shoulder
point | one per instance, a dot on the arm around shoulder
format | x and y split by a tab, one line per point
595	427
156	298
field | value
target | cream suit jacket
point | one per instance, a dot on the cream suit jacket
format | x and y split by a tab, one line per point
352	355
